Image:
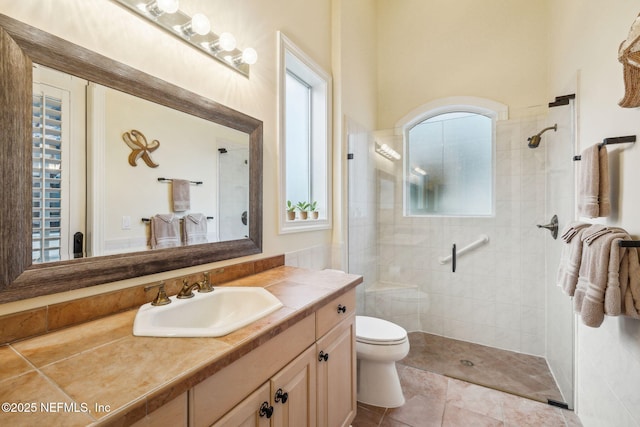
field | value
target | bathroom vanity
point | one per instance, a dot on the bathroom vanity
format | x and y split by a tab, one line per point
295	367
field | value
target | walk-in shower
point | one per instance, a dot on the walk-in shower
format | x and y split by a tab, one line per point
502	293
534	141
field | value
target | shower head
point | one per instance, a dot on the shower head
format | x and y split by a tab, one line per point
534	141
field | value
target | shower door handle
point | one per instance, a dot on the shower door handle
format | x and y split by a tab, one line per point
453	258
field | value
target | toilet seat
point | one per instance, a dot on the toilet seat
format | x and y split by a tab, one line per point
374	331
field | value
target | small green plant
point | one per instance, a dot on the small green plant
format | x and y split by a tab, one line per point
303	206
313	206
290	206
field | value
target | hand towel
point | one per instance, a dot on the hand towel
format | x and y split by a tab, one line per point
195	229
593	191
604	187
165	231
570	257
599	268
181	195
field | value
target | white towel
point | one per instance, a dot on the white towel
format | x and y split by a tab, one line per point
181	195
593	183
165	231
195	229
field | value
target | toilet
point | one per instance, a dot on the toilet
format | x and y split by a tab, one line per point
379	344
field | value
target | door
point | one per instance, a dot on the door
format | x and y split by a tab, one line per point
293	392
560	200
254	411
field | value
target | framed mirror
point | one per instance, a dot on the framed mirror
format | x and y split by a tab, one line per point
22	46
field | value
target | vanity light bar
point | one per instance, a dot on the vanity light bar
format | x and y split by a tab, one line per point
194	31
388	152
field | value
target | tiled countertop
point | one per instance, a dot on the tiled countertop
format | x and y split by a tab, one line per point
99	373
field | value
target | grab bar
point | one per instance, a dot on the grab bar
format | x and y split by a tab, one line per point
482	239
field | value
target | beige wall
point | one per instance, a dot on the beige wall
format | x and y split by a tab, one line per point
584	40
355	98
433	49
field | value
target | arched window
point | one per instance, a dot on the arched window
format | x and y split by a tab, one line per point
449	161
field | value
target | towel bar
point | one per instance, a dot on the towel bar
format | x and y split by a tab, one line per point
181	219
629	243
610	141
171	180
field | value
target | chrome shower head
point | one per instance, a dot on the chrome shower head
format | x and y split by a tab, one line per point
534	141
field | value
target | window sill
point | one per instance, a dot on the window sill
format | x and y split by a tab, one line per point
302	225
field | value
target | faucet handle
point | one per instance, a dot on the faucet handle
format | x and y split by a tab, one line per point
205	284
161	298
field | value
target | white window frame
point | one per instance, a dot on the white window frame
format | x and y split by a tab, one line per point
487	107
292	57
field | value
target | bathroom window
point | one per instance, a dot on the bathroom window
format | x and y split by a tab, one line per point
57	153
304	144
449	164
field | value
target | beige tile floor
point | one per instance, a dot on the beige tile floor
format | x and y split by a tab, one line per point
433	399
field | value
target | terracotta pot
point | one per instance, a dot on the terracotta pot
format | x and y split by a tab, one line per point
303	214
314	215
291	215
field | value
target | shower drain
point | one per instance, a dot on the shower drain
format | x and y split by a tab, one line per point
466	362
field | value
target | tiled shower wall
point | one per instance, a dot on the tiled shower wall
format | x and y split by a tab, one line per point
497	295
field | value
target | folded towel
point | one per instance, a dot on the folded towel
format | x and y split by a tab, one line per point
195	229
572	229
599	270
604	188
181	195
570	258
595	231
632	291
593	191
165	231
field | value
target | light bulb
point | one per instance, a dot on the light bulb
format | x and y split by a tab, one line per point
168	6
249	56
227	42
200	24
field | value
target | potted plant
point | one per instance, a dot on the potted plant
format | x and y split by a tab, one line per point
291	211
313	208
303	207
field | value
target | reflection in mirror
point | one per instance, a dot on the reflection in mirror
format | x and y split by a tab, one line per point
128	199
20	47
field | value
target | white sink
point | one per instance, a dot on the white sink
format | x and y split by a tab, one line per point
211	314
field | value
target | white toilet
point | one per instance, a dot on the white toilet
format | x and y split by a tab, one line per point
379	344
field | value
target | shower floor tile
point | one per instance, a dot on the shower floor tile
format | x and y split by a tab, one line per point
436	400
515	373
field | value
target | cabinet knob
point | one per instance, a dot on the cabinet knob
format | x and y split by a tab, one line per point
266	410
342	308
281	396
323	356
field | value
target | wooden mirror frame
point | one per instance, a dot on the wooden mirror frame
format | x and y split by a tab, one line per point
22	45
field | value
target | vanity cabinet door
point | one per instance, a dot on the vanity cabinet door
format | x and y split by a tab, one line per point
254	411
337	375
293	392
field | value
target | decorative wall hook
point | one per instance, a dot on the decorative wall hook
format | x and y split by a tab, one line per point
140	148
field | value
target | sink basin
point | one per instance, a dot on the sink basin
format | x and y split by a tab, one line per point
212	314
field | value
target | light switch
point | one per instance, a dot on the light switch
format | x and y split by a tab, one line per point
126	223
